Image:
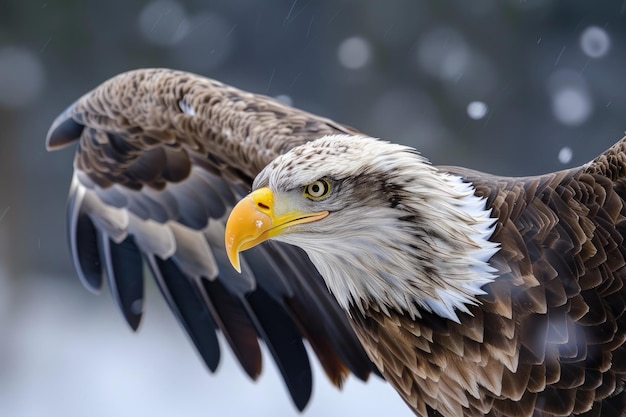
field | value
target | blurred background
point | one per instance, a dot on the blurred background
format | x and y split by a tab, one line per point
512	87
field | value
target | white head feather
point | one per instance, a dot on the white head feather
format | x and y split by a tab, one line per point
401	233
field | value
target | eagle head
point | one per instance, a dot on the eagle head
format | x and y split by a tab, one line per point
382	226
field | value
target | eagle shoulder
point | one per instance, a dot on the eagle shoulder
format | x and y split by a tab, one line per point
547	337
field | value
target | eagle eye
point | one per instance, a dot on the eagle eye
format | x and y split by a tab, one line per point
316	190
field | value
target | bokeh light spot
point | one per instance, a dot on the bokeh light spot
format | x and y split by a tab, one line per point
285	99
571	103
22	77
443	53
354	52
163	22
595	42
565	155
477	110
571	106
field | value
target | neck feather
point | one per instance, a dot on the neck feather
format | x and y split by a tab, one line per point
430	252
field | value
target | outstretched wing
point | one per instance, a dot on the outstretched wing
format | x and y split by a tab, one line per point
162	157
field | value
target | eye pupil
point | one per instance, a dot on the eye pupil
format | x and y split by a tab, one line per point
317	189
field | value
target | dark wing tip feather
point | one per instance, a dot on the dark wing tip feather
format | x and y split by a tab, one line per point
85	248
83	242
189	308
241	334
284	273
285	344
124	270
64	130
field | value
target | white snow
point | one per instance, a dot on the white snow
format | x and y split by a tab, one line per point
67	353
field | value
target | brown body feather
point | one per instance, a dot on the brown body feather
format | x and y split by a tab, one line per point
174	150
548	337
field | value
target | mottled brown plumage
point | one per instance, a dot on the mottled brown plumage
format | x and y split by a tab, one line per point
164	155
547	339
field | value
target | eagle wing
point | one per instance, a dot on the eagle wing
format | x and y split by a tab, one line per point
547	337
162	157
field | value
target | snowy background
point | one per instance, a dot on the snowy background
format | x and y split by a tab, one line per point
512	87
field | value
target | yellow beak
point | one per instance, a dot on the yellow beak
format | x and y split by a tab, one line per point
253	221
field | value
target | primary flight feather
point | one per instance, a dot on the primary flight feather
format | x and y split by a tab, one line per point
471	294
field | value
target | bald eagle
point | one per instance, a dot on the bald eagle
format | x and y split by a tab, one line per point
472	294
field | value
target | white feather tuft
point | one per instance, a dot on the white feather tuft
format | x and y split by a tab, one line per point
186	108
